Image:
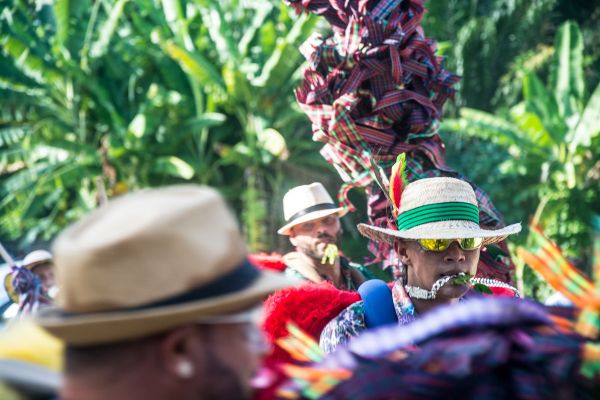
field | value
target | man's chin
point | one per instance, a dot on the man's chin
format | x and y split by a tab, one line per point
315	255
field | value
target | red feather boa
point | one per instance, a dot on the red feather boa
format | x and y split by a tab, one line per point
310	306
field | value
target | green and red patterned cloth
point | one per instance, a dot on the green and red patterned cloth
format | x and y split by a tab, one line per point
374	89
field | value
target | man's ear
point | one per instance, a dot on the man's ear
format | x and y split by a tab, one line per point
400	247
179	350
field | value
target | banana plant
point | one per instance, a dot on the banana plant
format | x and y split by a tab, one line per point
242	59
482	39
551	139
142	93
83	96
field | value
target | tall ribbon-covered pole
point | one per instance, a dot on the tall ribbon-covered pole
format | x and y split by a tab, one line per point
6	256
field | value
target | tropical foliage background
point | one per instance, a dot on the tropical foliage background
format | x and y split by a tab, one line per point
114	95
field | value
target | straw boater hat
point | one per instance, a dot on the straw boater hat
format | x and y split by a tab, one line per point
151	261
438	208
306	203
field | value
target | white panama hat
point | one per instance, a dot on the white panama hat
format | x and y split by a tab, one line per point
306	203
438	208
36	258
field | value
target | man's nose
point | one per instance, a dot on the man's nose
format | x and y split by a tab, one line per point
322	228
454	253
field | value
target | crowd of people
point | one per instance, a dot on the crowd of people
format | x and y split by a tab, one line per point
153	294
156	297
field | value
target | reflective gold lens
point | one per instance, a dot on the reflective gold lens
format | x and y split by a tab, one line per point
470	243
435	244
443	244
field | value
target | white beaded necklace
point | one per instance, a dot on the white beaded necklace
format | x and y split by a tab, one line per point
423	294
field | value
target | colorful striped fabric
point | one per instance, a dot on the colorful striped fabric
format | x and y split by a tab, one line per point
483	348
548	260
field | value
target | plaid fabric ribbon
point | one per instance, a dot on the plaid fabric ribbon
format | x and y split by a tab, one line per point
375	88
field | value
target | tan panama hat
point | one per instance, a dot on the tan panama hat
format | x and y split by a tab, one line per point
306	203
438	208
150	261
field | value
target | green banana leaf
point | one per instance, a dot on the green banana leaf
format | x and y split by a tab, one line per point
566	78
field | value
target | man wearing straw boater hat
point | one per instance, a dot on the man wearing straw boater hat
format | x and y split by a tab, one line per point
438	239
157	299
313	227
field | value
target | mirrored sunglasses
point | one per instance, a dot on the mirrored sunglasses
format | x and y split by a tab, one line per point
443	244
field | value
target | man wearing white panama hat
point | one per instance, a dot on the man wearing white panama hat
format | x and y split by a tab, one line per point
313	227
40	263
438	239
156	300
35	284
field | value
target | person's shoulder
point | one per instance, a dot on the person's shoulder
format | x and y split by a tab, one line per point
355	311
348	323
291	272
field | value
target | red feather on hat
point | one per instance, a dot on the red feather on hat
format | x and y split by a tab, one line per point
397	182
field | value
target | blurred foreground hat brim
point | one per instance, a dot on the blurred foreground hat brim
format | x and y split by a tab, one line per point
105	327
